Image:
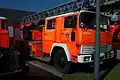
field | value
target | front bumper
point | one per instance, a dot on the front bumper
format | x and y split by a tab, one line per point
88	58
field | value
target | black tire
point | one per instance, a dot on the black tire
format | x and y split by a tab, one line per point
60	61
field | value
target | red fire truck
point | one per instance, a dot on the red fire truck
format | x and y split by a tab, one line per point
11	61
64	36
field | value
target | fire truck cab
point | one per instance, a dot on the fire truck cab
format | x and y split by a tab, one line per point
75	33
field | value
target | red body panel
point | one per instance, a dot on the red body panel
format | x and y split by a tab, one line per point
36	49
4	38
36	35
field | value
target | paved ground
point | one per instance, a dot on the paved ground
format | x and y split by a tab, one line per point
46	67
34	74
39	74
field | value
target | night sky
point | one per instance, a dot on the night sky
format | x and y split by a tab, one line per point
31	5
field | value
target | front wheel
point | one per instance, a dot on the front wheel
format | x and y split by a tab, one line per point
60	61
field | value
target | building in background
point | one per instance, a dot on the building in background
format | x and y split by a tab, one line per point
14	16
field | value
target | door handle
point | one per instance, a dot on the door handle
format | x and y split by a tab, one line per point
73	36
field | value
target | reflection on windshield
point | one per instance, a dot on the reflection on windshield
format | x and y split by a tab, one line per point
88	20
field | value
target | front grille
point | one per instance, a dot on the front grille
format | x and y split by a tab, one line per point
91	49
87	49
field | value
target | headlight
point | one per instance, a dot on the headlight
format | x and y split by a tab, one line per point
86	58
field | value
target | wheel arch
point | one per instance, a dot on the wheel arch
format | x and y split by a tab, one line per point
57	46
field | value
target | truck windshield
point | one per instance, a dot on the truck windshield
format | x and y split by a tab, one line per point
4	24
88	20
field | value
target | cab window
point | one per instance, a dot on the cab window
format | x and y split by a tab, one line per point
4	24
51	24
88	20
70	21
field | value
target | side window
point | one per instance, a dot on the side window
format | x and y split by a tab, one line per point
70	22
51	24
4	24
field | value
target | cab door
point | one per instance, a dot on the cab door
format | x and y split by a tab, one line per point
69	32
49	34
69	28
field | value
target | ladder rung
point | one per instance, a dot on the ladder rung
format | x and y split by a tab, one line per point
62	9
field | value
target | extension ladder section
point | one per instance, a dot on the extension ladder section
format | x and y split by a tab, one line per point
65	8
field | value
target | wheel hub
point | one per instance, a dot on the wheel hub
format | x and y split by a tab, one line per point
62	62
